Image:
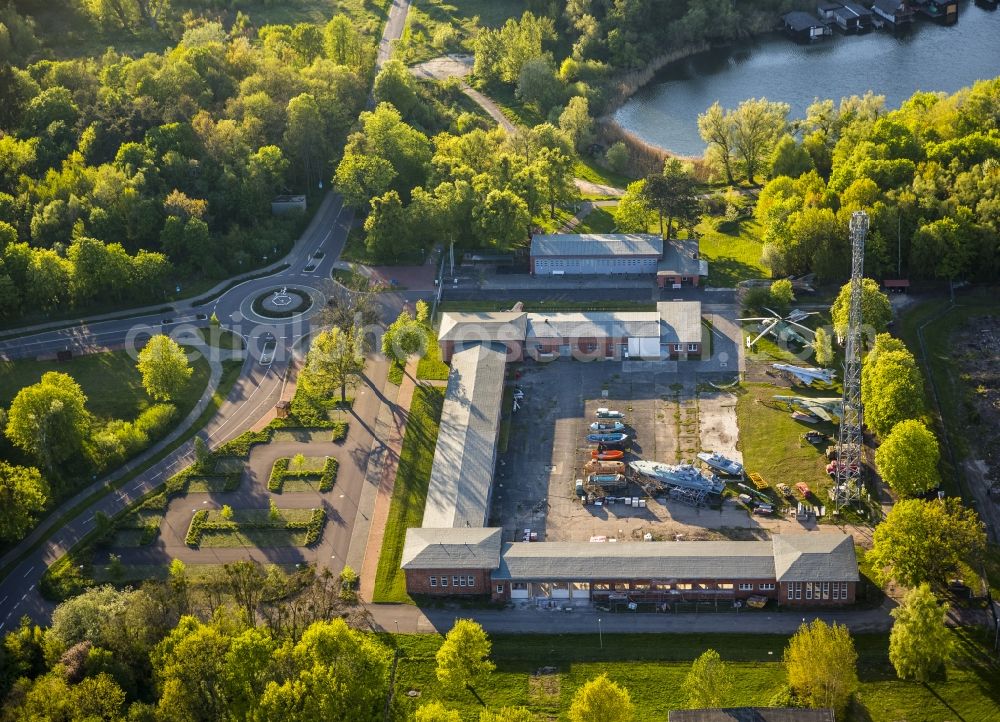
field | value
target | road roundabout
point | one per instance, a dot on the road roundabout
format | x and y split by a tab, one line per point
281	303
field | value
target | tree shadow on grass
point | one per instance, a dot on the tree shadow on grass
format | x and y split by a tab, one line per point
726	272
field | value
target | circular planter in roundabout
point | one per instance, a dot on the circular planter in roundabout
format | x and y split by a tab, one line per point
282	303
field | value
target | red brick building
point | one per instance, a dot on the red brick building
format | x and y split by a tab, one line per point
800	570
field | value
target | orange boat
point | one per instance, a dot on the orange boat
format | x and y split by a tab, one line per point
609	455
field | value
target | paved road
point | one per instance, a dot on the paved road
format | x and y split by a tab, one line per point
271	345
393	30
583	620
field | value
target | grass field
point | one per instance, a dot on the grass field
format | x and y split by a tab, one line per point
221	338
772	444
410	491
431	367
588	169
110	381
733	255
599	220
653	666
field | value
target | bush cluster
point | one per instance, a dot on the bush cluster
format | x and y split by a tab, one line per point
315	526
197	528
280	473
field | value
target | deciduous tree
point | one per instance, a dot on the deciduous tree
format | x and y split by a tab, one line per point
822	665
876	311
164	367
601	700
463	658
708	683
823	347
907	460
717	129
892	390
633	211
920	642
782	294
436	712
403	338
922	541
49	419
23	494
575	122
335	360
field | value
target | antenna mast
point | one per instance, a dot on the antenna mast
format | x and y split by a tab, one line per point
850	441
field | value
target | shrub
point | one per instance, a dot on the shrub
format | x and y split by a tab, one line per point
241	445
277	478
315	528
196	529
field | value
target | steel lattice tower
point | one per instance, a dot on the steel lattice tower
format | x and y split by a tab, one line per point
850	440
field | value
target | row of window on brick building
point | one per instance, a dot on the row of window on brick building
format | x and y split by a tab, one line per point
458	580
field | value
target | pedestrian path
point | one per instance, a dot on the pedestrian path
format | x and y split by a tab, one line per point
380	481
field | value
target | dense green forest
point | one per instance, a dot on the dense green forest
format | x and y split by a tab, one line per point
121	175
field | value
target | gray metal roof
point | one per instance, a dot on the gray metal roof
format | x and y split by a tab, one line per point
597	244
681	257
752	714
482	326
459	491
815	556
584	561
594	324
680	321
477	548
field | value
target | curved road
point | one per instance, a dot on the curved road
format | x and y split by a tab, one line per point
271	345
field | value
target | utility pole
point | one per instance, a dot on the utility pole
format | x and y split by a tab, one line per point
851	439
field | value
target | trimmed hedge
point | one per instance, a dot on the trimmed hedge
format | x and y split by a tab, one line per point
197	528
315	528
200	523
280	473
242	444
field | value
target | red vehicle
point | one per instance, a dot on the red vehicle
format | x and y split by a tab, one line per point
803	489
608	455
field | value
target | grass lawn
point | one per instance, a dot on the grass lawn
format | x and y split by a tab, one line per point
410	491
653	667
221	338
588	169
431	367
396	370
599	220
110	381
733	254
772	444
254	528
351	279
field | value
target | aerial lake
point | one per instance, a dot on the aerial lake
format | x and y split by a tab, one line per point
926	57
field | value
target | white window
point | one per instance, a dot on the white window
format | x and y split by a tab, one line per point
434	581
678	347
472	581
836	590
444	581
826	590
692	347
726	586
746	587
765	587
461	581
809	590
519	586
499	588
795	590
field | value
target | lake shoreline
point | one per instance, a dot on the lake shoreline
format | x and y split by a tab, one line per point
611	131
